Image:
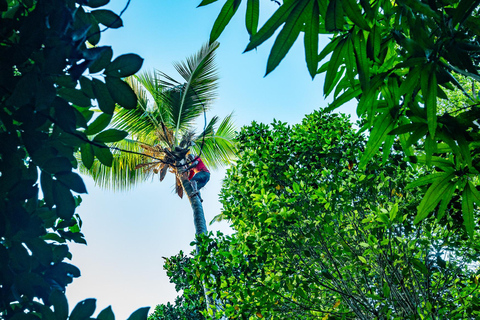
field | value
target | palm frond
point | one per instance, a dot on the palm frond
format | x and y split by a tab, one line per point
218	148
122	175
201	82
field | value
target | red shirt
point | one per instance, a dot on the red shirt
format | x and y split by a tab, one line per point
199	167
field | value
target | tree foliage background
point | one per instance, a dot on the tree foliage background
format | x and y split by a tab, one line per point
52	74
318	237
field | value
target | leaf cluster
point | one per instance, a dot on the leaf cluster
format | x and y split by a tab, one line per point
52	75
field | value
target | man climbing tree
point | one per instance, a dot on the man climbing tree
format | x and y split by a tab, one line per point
198	174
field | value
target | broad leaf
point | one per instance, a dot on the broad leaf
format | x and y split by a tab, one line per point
124	65
107	18
110	135
226	14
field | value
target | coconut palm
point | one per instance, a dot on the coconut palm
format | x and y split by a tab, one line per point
161	130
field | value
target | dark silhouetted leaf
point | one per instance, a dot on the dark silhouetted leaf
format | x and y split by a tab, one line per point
72	180
124	65
83	310
103	154
107	18
110	135
140	314
121	93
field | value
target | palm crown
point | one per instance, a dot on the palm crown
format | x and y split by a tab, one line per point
163	125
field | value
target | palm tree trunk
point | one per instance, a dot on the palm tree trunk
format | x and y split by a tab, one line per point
198	215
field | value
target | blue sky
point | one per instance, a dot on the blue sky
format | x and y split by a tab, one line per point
129	232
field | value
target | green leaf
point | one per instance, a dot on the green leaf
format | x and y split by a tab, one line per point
121	92
386	290
428	82
333	65
226	14
87	155
287	36
251	16
362	259
475	193
106	314
311	38
434	194
334	20
354	12
448	194
124	65
74	96
363	66
272	24
344	98
424	180
83	310
105	101
72	181
382	126
100	123
64	200
110	135
97	3
102	61
140	314
107	18
103	154
46	183
57	164
206	2
467	210
60	304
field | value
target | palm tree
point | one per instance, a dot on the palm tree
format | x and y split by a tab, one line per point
161	130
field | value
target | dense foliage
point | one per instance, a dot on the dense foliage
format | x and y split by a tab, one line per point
319	237
395	58
46	97
191	302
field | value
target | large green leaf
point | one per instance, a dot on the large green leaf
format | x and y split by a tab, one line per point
312	26
110	135
83	310
107	18
140	314
64	200
436	192
226	14
273	23
251	16
354	13
467	210
87	155
103	154
121	92
288	34
124	65
383	124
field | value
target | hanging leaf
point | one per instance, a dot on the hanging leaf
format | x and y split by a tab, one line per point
288	35
251	17
312	25
110	135
121	92
334	20
103	154
226	14
354	13
107	18
86	151
124	65
273	23
105	101
467	210
434	194
382	126
100	123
